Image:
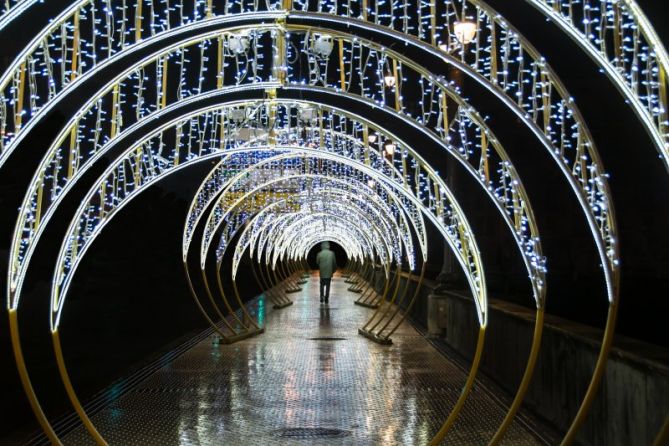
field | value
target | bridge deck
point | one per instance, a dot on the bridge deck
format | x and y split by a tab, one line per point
284	387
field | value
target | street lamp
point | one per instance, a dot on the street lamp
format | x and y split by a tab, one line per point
322	45
239	115
389	80
238	43
464	31
307	114
389	147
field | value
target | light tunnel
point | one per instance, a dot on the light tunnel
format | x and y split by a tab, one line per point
433	142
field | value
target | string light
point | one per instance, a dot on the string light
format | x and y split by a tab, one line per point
67	52
245	74
507	53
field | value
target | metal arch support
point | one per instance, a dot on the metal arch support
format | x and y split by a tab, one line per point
390	226
359	249
386	221
245	329
297	218
536	261
349	229
365	246
336	217
15	9
230	234
624	19
353	246
531	244
214	191
218	214
247	237
223	209
361	186
326	212
437	223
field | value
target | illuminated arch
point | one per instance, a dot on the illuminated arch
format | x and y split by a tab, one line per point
587	178
595	198
618	22
293	246
80	251
535	264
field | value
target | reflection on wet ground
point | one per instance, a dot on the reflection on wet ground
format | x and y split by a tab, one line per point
309	379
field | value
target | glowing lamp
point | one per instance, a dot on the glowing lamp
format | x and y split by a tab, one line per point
307	114
238	43
371	138
464	31
239	115
389	80
371	183
247	134
322	45
389	147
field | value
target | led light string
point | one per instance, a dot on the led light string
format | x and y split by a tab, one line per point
547	106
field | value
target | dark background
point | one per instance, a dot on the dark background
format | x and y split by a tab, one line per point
129	300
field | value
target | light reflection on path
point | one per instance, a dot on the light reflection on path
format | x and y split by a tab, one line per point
243	394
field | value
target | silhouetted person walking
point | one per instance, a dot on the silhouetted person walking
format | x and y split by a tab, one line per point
327	265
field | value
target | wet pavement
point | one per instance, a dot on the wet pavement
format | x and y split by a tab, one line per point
309	379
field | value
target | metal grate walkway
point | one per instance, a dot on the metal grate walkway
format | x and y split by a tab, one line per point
309	379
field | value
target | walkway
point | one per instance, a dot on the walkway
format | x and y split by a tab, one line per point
286	387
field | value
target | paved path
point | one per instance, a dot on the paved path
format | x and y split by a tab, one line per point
283	387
